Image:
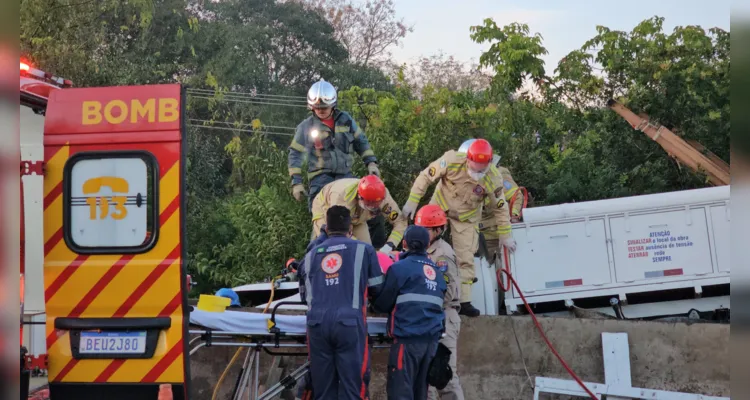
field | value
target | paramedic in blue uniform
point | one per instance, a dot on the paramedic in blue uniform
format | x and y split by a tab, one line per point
413	294
336	280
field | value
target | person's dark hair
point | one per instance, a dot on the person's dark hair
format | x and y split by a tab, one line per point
338	219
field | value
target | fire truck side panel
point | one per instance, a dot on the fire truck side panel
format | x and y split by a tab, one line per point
114	279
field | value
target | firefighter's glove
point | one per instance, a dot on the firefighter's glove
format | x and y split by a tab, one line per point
299	192
509	243
372	168
410	208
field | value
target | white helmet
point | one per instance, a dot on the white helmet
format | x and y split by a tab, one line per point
321	95
465	146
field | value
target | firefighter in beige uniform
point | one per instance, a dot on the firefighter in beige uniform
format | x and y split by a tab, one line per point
432	217
514	199
465	180
365	198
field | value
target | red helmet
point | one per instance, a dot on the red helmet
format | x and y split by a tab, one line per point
480	152
430	216
371	190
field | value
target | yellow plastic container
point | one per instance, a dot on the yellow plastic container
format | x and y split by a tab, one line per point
211	303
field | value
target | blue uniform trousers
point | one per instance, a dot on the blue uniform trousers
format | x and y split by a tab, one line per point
408	364
339	357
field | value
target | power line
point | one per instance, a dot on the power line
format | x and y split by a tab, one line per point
232	123
247	94
239	130
253	101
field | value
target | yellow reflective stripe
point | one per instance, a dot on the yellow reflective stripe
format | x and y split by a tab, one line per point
295	171
414	197
503	230
441	200
319	164
455	167
368	153
467	215
297	146
311	175
342	129
494	170
396	237
351	192
509	194
317	216
488	182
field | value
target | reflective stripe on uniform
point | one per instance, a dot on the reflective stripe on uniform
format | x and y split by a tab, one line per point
424	298
308	286
397	236
297	146
375	281
441	200
357	273
311	175
503	230
467	215
351	192
368	153
320	162
317	216
295	171
413	197
509	194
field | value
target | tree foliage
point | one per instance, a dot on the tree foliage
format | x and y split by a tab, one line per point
250	62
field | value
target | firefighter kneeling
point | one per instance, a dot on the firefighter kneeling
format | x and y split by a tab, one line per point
365	199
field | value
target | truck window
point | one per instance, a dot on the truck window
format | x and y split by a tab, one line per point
109	202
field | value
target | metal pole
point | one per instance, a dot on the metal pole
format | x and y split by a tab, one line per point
245	381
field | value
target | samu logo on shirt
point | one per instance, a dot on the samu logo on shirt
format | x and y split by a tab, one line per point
430	275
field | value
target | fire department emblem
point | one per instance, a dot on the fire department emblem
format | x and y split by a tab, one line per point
443	265
507	185
500	203
478	190
387	209
331	263
393	216
429	272
443	163
431	171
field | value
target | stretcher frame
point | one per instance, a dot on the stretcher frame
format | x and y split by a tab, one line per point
249	378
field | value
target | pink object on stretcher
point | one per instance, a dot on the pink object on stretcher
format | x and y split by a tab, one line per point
385	261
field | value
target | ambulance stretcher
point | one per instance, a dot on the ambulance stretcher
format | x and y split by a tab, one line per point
266	332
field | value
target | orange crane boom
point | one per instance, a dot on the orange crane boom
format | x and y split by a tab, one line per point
690	153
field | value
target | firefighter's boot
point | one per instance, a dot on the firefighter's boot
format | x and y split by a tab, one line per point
468	310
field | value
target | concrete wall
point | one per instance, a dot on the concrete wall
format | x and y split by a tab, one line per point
667	356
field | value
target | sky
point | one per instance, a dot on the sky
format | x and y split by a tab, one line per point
565	25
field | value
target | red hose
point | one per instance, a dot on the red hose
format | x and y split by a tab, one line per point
512	280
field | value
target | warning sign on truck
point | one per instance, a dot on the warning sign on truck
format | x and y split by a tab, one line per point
660	245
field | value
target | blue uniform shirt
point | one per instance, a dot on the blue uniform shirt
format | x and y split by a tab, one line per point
337	276
413	293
